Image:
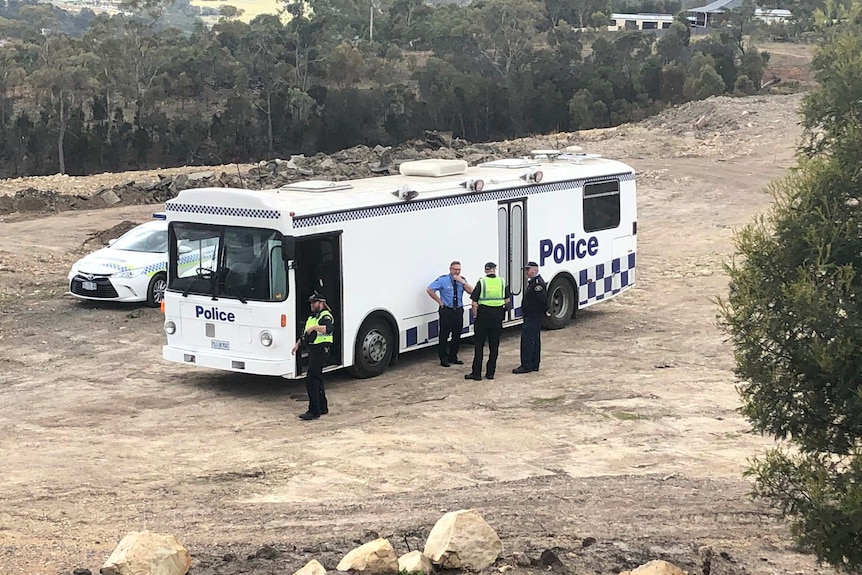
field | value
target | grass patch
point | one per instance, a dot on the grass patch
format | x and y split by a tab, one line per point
548	401
626	416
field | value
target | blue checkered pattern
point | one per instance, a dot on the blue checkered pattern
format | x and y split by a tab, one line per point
223	211
605	280
595	284
471	198
153	268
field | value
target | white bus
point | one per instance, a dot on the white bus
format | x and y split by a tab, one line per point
372	245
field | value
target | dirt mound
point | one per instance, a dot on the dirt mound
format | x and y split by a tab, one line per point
104	236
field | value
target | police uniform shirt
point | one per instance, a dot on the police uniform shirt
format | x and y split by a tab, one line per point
535	300
444	285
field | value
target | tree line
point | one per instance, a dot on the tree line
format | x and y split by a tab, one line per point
83	93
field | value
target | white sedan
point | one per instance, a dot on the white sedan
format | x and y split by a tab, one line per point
133	268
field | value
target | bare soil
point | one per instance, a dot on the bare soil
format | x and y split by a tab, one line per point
626	447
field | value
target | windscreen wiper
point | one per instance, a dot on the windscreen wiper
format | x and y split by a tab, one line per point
199	275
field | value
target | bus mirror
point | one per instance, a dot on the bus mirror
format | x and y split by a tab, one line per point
288	248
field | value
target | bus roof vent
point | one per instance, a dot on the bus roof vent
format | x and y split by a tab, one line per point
432	168
316	186
513	163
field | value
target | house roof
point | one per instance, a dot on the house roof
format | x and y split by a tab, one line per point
718	6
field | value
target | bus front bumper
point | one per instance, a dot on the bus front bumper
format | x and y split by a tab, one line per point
240	365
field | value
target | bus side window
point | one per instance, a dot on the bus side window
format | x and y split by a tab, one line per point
601	206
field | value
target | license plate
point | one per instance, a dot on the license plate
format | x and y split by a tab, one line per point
219	344
90	286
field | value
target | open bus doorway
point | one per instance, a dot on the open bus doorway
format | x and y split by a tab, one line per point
317	268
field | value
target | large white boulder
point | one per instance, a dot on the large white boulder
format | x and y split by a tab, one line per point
656	567
147	553
375	558
463	540
313	567
415	562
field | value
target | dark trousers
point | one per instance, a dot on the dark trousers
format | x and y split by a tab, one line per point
318	355
451	323
489	326
531	343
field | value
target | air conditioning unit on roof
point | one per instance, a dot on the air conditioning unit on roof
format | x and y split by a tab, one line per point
432	168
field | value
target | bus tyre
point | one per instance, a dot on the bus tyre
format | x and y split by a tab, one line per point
156	290
561	304
374	348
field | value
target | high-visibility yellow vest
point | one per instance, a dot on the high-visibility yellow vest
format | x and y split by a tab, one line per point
493	292
314	320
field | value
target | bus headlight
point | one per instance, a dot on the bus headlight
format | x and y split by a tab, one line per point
265	338
170	327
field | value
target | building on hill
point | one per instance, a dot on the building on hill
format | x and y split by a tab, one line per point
712	14
639	22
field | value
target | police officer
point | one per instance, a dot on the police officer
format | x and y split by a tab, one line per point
534	307
490	298
448	291
318	337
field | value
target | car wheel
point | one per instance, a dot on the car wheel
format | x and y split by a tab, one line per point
373	349
156	290
562	304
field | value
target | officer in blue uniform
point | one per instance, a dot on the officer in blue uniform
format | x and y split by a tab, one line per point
534	308
448	291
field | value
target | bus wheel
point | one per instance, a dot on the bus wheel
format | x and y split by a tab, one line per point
561	303
374	348
156	290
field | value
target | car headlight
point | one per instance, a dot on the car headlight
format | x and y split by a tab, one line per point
265	338
128	273
170	327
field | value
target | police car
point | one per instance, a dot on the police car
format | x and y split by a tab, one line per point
131	269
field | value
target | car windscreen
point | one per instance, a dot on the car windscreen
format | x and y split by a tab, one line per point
227	261
143	239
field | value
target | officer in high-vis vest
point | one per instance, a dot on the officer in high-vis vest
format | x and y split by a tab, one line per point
491	299
317	336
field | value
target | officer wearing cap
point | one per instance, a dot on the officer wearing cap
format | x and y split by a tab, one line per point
317	336
534	308
448	291
490	298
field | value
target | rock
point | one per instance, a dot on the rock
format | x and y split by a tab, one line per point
82	571
463	540
375	558
267	552
588	541
415	562
521	559
328	164
656	567
313	567
197	176
147	553
180	182
551	559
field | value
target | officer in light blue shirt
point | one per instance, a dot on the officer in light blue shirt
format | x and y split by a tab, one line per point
448	291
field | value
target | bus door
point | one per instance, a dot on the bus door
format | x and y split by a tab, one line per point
317	268
512	231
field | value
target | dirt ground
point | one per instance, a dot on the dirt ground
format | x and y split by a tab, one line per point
626	447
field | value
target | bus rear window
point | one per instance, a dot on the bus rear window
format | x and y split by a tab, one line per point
601	206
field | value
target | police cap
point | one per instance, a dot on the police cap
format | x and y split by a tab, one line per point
531	265
490	266
316	297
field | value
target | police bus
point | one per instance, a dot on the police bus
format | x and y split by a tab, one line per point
372	245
